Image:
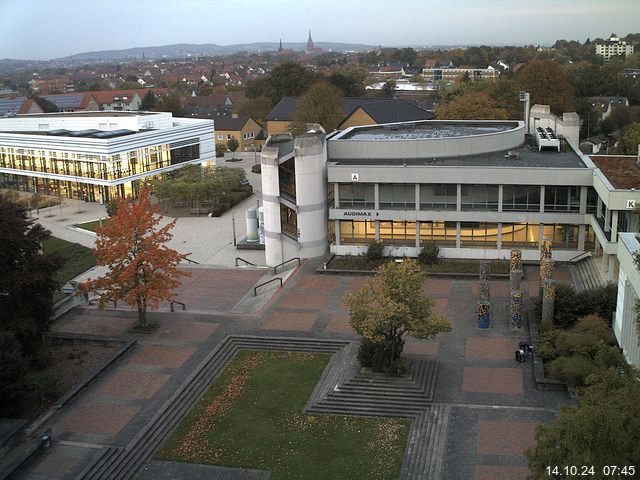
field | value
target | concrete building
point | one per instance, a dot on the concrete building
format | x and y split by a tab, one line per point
625	326
98	155
613	47
475	188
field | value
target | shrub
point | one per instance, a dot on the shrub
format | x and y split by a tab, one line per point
601	301
594	325
14	368
585	344
572	370
256	168
375	251
112	207
429	254
547	344
564	314
220	149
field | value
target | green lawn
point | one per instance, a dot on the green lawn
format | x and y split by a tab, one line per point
252	417
92	226
77	259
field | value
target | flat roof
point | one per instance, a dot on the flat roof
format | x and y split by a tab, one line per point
428	130
97	113
623	172
524	156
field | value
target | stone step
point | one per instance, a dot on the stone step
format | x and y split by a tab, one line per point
380	391
364	411
123	464
337	399
102	461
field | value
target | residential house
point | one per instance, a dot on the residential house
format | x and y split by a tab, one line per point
357	111
73	102
10	107
606	105
241	127
613	47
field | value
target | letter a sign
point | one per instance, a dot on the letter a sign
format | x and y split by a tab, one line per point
354	177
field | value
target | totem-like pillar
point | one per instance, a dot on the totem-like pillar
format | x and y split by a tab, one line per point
515	279
515	310
516	260
483	291
548	300
484	270
545	249
546	270
482	309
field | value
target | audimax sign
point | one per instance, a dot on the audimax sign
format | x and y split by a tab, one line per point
359	214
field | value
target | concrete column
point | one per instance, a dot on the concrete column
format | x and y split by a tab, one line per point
376	196
582	236
499	245
546	271
417	234
515	277
515	310
337	231
599	207
311	195
484	292
500	197
484	270
583	200
458	241
417	197
614	225
271	204
377	226
607	220
541	198
515	262
336	195
612	268
459	199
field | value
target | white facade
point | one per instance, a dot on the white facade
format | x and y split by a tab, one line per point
613	47
96	155
625	327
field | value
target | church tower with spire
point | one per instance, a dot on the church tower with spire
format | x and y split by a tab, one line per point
310	46
280	47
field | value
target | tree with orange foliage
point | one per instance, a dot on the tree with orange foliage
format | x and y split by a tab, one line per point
143	271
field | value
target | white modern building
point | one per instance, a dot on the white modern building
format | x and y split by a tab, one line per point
625	326
98	155
613	47
475	188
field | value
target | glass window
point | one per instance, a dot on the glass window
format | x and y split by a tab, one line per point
479	197
521	198
562	236
288	221
441	233
592	200
478	234
287	178
561	199
520	235
357	231
402	233
438	196
356	195
397	195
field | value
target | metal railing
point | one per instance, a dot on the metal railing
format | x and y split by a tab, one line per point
294	259
255	289
184	307
580	256
246	262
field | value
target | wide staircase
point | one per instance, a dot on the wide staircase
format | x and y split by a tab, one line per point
343	389
586	273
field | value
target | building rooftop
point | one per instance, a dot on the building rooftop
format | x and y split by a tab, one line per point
426	130
524	156
100	113
622	172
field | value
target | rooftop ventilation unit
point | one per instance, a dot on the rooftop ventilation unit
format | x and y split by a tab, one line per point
547	138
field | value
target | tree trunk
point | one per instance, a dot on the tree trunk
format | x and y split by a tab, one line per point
142	312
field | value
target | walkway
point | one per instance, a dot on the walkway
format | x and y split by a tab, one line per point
491	404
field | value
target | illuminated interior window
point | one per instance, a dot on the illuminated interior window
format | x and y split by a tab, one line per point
358	232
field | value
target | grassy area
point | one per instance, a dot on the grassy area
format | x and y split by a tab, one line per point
361	262
251	417
77	259
92	226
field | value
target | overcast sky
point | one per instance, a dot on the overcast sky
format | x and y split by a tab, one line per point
44	29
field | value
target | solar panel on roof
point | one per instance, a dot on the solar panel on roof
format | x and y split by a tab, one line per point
58	132
65	101
83	133
11	105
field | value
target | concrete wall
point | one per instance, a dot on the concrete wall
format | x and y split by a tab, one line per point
624	325
343	147
271	203
568	126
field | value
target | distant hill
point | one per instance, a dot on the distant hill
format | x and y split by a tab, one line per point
181	50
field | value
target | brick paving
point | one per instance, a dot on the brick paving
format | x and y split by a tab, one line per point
493	380
495	405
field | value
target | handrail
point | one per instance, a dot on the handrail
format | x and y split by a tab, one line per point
189	260
255	289
184	307
275	269
247	262
583	254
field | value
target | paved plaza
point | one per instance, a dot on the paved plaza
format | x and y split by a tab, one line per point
493	401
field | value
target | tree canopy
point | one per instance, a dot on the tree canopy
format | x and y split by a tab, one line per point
631	139
548	84
472	106
322	104
27	277
143	271
393	304
287	79
192	184
603	429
